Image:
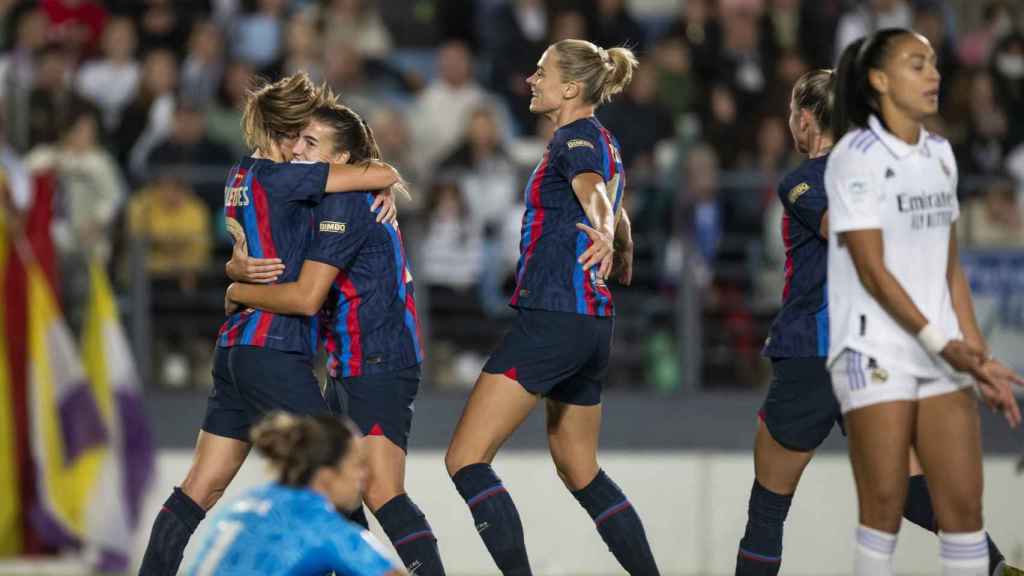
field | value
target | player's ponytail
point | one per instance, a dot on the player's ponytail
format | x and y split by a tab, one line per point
603	73
297	446
279	110
855	98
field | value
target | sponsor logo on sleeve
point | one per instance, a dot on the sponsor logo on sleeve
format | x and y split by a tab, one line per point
577	142
798	191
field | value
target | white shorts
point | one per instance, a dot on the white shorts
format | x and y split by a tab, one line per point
859	381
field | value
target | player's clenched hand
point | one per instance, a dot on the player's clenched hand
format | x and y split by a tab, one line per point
230	306
600	251
962	356
995	384
242	268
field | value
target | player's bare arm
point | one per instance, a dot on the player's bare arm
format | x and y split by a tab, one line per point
590	189
304	297
868	253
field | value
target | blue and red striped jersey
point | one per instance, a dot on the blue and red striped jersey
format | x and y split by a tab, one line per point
801	328
270	206
549	276
372	325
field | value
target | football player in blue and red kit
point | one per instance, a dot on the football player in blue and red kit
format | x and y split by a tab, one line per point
801	409
262	361
559	346
358	268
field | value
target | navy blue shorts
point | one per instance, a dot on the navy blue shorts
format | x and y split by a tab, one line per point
249	382
800	408
560	355
380	404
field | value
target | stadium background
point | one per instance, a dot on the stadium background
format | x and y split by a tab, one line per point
120	119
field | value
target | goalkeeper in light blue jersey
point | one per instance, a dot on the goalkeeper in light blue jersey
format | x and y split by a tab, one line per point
295	525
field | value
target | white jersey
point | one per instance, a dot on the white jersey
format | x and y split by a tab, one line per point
876	181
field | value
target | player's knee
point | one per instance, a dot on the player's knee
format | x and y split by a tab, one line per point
882	508
380	493
961	513
204	492
575	475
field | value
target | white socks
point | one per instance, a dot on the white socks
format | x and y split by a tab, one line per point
964	553
873	555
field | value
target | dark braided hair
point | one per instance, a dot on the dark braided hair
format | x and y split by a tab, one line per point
855	98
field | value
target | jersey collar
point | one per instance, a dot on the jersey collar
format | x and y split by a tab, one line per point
897	147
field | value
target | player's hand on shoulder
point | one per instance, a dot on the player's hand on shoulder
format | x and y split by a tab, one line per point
962	356
995	385
243	268
385	200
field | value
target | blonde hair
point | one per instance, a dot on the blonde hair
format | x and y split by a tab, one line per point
603	73
278	110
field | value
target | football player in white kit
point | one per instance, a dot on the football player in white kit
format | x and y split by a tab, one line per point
904	342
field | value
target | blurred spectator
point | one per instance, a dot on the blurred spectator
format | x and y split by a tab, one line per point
77	24
929	21
566	25
1008	73
818	20
976	46
345	72
257	36
161	25
516	37
638	120
451	253
357	22
784	16
225	116
439	114
411	26
986	144
52	97
994	220
392	135
7	13
485	172
174	225
698	207
747	60
301	44
147	120
189	151
203	67
89	195
677	85
111	82
17	179
721	125
868	16
18	69
697	25
612	25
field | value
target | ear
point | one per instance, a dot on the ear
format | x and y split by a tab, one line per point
878	80
807	121
342	158
570	90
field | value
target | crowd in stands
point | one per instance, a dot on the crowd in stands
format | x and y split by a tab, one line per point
134	107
